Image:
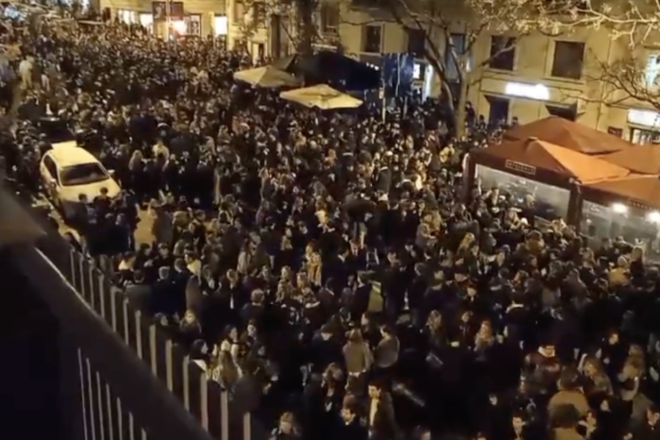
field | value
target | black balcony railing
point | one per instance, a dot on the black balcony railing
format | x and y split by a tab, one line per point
116	394
126	363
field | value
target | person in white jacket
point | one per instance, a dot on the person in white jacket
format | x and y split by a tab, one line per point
25	70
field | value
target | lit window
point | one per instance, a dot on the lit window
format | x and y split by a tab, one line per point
220	25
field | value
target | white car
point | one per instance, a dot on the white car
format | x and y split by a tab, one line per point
68	171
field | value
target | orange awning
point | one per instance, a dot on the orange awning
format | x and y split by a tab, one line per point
569	134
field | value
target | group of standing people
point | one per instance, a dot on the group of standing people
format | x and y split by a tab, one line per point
326	266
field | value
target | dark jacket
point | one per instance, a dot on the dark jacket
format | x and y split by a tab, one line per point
139	296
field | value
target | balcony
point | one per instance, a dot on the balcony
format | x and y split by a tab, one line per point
122	377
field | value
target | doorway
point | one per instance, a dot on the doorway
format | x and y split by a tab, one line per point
499	110
258	52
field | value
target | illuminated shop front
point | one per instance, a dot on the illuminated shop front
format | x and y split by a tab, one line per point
537	92
147	21
220	26
644	126
550	201
628	208
502	100
128	16
538	176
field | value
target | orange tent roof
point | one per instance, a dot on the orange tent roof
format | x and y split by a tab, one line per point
645	189
643	159
569	134
554	158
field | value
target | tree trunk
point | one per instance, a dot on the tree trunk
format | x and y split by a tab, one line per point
450	103
307	29
460	111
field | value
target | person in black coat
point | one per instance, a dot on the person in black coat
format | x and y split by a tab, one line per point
381	421
139	293
164	293
350	427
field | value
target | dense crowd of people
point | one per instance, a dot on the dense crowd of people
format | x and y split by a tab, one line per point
325	266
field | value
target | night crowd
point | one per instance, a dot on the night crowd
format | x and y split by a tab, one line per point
326	266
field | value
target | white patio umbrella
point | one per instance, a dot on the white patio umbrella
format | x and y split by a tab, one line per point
322	96
267	76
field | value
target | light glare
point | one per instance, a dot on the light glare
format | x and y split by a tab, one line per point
619	208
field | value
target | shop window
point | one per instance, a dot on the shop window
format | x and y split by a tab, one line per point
618	220
550	202
416	42
568	59
502	53
128	17
566	112
193	25
372	38
147	21
220	25
641	136
329	17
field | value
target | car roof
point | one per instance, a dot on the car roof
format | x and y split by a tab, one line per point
66	154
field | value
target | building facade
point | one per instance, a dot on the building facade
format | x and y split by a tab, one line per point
199	18
541	75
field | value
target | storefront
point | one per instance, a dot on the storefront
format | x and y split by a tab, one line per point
128	16
504	100
147	21
644	126
627	208
193	25
186	19
220	26
220	29
542	177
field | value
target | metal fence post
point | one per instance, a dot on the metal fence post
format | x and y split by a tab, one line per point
168	365
153	350
137	317
247	426
224	414
204	400
186	383
124	305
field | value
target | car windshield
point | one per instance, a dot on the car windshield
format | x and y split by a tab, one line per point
82	174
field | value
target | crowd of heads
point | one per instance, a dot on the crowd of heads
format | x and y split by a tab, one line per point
328	268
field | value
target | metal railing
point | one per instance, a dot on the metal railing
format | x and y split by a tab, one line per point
209	404
55	262
107	391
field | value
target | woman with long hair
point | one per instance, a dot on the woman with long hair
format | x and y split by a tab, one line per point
333	389
484	339
597	382
224	370
315	270
229	341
